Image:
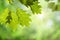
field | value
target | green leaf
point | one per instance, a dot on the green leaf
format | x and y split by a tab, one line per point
58	6
27	2
52	6
36	8
23	17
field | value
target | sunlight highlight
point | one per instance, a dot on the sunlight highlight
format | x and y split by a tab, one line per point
40	16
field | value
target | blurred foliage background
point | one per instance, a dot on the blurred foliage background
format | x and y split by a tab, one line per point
44	20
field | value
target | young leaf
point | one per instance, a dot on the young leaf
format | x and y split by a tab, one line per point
36	8
23	17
